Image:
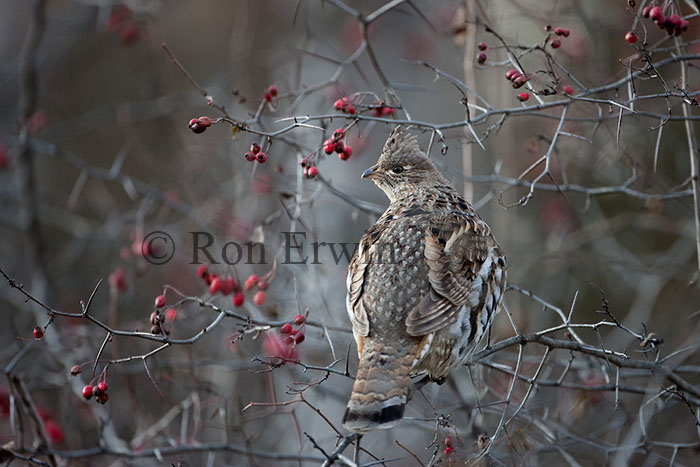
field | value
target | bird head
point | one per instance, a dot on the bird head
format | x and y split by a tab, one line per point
402	167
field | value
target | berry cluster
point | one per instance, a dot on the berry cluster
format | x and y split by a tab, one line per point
335	144
449	448
224	286
121	21
310	170
99	391
561	32
255	154
381	110
343	104
294	336
199	125
673	24
271	92
481	56
517	78
253	281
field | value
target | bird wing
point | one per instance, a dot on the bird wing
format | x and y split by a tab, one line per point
461	255
355	283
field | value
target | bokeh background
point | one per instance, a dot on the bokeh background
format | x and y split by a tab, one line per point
95	153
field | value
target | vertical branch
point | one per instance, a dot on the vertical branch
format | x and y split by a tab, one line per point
469	77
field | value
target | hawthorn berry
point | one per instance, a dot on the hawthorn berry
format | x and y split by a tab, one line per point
76	370
155	317
160	301
261	157
171	314
351	110
684	24
566	33
656	13
155	329
249	156
87	392
347	152
329	147
568	89
286	328
519	81
204	121
523	96
102	386
102	398
339	147
512	74
646	10
4	160
255	147
238	298
299	320
555	43
481	57
674	20
303	162
482	46
251	282
268	97
202	271
631	3
448	450
338	133
38	332
216	285
263	285
195	126
299	337
340	104
559	31
312	172
273	90
260	298
228	285
631	37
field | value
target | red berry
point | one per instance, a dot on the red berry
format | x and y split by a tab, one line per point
102	398
118	279
523	96
268	97
684	24
160	301
313	171
252	281
482	46
286	329
289	340
102	386
299	338
299	320
38	332
294	331
216	285
229	285
512	74
238	299
76	370
631	37
350	110
249	156
204	121
87	392
555	43
448	441
303	162
129	33
481	57
559	31
656	13
329	147
646	10
338	133
343	156
674	20
261	157
568	90
255	147
340	104
448	450
263	285
566	33
171	314
519	81
202	271
347	151
339	147
273	90
259	298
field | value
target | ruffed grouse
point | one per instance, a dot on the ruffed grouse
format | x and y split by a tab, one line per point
422	287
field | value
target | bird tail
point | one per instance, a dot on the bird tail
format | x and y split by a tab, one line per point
382	388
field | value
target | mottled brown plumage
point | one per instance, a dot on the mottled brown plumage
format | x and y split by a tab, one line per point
423	286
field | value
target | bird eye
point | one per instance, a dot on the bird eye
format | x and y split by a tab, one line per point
397	169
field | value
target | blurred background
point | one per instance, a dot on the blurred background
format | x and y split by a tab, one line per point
96	153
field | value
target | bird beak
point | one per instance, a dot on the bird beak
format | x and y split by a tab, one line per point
369	172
